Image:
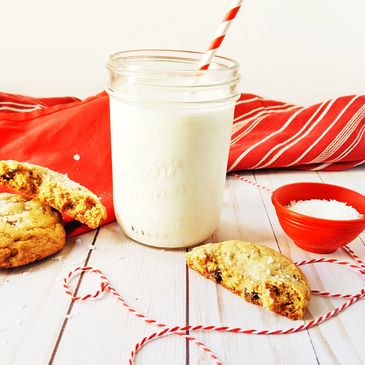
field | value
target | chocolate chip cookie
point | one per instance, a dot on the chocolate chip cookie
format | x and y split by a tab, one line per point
256	273
29	230
53	189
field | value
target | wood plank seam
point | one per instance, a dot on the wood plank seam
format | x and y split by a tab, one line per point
314	349
277	242
187	314
267	214
69	311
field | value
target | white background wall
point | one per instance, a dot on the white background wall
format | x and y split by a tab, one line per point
294	50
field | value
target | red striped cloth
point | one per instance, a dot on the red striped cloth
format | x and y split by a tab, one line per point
271	134
266	134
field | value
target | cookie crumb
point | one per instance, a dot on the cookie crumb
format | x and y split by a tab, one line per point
92	247
77	157
78	241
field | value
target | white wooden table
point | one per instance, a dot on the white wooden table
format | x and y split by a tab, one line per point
39	325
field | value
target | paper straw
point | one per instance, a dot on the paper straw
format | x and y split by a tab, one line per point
220	34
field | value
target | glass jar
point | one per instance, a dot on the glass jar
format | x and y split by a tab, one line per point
170	134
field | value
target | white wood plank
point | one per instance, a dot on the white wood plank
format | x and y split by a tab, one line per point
152	281
244	217
352	179
33	297
101	332
353	319
339	339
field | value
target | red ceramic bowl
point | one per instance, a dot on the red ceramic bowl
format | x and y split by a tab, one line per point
316	234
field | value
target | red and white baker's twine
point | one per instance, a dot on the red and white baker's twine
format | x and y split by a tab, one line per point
253	183
105	286
220	34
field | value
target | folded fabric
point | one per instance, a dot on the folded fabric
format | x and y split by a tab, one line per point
73	137
65	135
270	134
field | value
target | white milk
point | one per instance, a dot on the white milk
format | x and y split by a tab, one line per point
169	159
169	171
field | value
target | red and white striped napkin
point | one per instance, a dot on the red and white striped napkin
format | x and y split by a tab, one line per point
272	134
73	136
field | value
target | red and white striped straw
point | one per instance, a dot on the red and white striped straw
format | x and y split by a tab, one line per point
220	34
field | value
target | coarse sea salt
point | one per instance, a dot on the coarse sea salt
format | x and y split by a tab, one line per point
327	209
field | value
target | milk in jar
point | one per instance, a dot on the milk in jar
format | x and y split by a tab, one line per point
170	134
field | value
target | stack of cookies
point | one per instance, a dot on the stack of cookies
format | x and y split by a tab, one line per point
31	225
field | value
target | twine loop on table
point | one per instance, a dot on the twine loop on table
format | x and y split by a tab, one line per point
105	286
104	283
183	331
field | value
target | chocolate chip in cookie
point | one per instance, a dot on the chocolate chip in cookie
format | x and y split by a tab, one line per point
53	189
29	230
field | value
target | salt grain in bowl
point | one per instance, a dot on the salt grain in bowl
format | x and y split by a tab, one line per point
326	209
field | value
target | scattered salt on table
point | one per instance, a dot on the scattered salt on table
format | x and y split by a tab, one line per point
327	209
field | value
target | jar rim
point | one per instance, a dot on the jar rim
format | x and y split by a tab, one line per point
118	62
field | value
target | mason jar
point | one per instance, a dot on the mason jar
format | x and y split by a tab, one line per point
170	135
